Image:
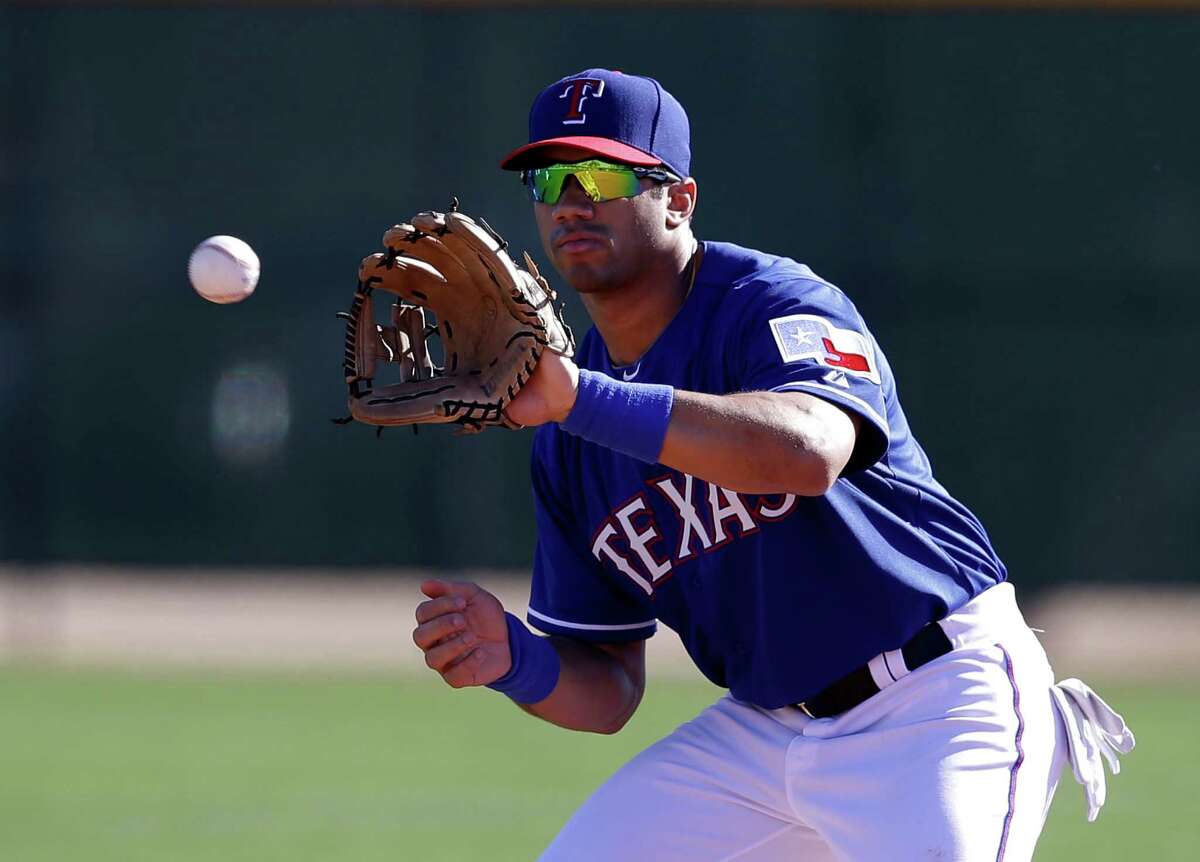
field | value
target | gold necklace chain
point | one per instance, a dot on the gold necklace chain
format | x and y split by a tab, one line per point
693	267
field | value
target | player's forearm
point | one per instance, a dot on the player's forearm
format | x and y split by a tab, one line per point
752	442
596	692
759	442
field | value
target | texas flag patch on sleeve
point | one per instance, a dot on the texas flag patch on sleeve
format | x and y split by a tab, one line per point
808	336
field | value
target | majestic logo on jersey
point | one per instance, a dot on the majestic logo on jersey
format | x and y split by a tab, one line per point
807	336
837	378
577	93
709	517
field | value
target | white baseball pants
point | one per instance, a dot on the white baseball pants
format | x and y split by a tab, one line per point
957	760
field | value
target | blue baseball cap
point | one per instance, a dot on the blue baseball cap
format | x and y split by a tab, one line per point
625	118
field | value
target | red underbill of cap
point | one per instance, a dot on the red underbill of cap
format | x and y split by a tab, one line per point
526	156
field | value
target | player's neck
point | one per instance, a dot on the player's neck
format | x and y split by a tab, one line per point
631	318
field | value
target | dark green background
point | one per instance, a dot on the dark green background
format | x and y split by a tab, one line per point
1012	200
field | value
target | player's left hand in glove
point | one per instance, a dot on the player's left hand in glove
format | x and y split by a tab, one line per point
495	321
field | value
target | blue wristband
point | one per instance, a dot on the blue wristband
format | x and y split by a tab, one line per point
629	417
535	665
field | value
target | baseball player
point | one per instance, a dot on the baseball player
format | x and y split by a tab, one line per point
730	457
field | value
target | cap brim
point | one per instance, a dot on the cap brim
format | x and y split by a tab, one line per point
532	155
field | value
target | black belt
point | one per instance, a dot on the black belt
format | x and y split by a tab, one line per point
858	685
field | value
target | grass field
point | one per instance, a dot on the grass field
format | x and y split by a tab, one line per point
107	765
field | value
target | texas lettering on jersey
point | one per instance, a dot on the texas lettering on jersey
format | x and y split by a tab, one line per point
708	517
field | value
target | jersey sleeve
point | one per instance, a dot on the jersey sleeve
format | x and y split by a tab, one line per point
804	335
571	595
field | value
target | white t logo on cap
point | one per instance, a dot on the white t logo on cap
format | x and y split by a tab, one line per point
576	93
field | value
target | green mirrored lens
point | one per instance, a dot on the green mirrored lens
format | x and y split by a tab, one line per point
606	185
601	181
545	185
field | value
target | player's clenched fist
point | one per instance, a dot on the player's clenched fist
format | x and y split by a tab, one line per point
462	631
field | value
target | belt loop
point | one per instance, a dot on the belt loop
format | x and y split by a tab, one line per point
880	674
897	667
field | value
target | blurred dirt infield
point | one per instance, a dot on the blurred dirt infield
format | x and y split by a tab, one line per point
342	619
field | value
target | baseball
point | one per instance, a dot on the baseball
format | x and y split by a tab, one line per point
223	269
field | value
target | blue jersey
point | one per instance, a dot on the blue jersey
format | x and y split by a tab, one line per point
774	596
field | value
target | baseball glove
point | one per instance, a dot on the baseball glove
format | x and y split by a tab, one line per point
493	319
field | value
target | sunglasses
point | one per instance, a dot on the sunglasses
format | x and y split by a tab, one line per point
600	181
